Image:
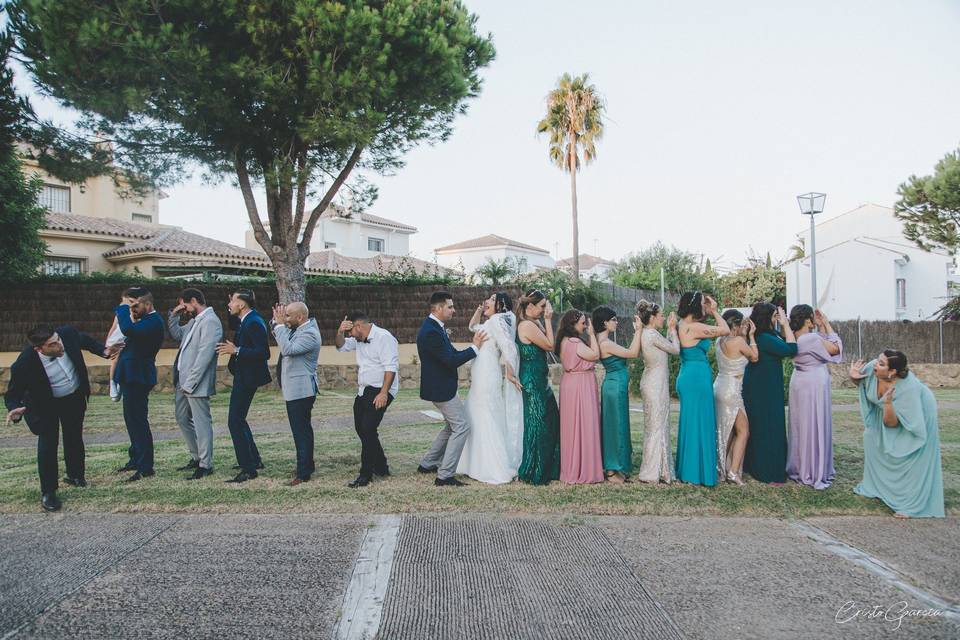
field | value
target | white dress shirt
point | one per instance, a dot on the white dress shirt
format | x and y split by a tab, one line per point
62	375
186	338
379	354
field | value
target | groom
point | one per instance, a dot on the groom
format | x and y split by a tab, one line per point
439	362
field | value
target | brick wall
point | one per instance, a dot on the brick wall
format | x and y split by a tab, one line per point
89	307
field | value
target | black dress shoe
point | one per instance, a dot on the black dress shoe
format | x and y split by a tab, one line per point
243	476
126	468
259	467
193	464
423	469
449	482
76	482
361	481
140	475
50	502
200	472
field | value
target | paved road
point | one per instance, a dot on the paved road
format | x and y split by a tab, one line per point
475	576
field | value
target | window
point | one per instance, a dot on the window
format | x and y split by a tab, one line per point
142	217
55	198
329	245
375	244
54	266
901	293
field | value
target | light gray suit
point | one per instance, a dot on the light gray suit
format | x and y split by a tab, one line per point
195	378
300	351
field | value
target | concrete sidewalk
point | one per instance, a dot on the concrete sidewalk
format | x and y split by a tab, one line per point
464	576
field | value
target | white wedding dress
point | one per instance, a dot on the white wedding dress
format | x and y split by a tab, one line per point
494	444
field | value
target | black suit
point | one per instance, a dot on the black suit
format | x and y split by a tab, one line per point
30	387
250	371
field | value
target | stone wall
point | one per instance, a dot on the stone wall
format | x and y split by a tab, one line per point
344	377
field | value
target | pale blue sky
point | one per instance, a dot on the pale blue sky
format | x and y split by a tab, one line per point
719	113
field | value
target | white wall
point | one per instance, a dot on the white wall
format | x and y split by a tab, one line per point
350	238
472	259
858	256
857	279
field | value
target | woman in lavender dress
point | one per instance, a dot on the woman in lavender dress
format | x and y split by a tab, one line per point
810	457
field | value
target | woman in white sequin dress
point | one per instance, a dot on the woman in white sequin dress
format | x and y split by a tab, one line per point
733	354
657	463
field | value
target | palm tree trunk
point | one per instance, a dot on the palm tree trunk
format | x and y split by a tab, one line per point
573	202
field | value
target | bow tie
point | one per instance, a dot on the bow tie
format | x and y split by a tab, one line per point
365	341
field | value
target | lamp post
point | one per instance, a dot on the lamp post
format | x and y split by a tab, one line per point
810	205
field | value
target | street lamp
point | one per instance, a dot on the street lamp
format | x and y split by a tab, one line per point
810	205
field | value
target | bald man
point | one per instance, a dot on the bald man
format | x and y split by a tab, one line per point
298	338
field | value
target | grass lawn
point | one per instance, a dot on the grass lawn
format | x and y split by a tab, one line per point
337	457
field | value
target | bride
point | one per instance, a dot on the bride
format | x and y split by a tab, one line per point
494	444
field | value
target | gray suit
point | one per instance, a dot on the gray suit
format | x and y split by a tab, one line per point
195	379
300	351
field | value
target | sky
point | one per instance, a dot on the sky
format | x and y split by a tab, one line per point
718	115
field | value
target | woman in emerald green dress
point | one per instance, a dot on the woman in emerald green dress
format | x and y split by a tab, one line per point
901	438
541	416
763	398
615	442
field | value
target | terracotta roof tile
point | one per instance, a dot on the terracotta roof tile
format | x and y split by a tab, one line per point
490	240
587	261
101	226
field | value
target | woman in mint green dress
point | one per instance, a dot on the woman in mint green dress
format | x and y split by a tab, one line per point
697	433
615	442
541	415
901	438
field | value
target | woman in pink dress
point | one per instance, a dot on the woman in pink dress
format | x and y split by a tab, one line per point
580	456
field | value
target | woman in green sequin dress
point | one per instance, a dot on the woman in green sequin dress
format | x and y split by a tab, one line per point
541	416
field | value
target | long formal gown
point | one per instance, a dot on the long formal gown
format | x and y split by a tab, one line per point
901	465
810	440
494	444
657	462
580	460
615	416
697	433
541	418
728	402
766	456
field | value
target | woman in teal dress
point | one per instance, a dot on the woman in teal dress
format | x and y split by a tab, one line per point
766	456
541	416
697	433
615	394
901	438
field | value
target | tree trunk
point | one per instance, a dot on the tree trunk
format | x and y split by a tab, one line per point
291	276
576	229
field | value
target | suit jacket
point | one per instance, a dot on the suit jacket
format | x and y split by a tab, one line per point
29	386
197	355
137	362
300	351
439	362
249	365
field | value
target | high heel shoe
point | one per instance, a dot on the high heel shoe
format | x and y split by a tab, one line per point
734	478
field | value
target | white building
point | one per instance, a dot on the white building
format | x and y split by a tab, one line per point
590	267
354	235
867	268
472	254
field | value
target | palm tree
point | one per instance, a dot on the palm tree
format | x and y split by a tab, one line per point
574	122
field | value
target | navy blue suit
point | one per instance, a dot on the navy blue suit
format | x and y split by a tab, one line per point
250	371
30	387
439	362
136	373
